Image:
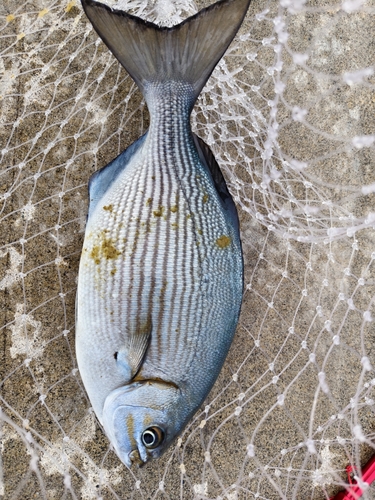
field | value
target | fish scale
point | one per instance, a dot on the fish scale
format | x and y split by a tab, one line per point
161	272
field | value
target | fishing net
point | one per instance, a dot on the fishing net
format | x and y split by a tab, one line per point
290	116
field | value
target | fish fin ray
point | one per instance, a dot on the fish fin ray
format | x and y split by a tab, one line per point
103	178
207	158
186	52
130	357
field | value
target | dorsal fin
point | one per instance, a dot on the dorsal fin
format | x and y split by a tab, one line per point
207	158
187	52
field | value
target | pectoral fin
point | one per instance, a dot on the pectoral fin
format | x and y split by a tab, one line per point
130	357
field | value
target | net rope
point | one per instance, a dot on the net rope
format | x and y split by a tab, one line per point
289	114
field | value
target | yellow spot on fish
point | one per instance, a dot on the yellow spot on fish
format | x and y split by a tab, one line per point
158	212
10	18
174	225
95	254
205	198
20	36
108	207
149	201
147	420
130	428
43	12
188	216
109	250
223	241
174	208
200	231
105	250
130	424
70	5
113	272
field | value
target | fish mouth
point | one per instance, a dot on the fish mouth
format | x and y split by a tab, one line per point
136	459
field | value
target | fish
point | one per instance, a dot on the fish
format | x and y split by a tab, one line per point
160	280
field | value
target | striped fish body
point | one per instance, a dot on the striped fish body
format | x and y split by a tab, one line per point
160	279
160	250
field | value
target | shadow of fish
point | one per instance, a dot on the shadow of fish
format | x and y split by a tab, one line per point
161	272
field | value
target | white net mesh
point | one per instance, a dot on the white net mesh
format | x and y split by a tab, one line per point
290	116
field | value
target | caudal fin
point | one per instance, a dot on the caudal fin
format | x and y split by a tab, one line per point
187	52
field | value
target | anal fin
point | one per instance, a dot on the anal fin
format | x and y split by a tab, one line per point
102	179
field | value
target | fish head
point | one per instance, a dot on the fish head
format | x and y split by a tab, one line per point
142	419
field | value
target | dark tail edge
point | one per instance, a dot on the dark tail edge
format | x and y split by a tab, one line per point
187	52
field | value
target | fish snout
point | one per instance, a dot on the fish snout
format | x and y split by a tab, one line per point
136	459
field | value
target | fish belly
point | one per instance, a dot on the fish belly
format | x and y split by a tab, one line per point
159	250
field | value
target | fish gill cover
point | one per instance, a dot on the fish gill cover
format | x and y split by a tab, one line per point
289	115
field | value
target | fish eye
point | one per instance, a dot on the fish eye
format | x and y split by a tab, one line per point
152	437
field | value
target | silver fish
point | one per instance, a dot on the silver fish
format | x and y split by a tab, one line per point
161	273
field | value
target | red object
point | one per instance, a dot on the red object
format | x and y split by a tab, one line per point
354	491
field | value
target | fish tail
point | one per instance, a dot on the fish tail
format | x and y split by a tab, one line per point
186	53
